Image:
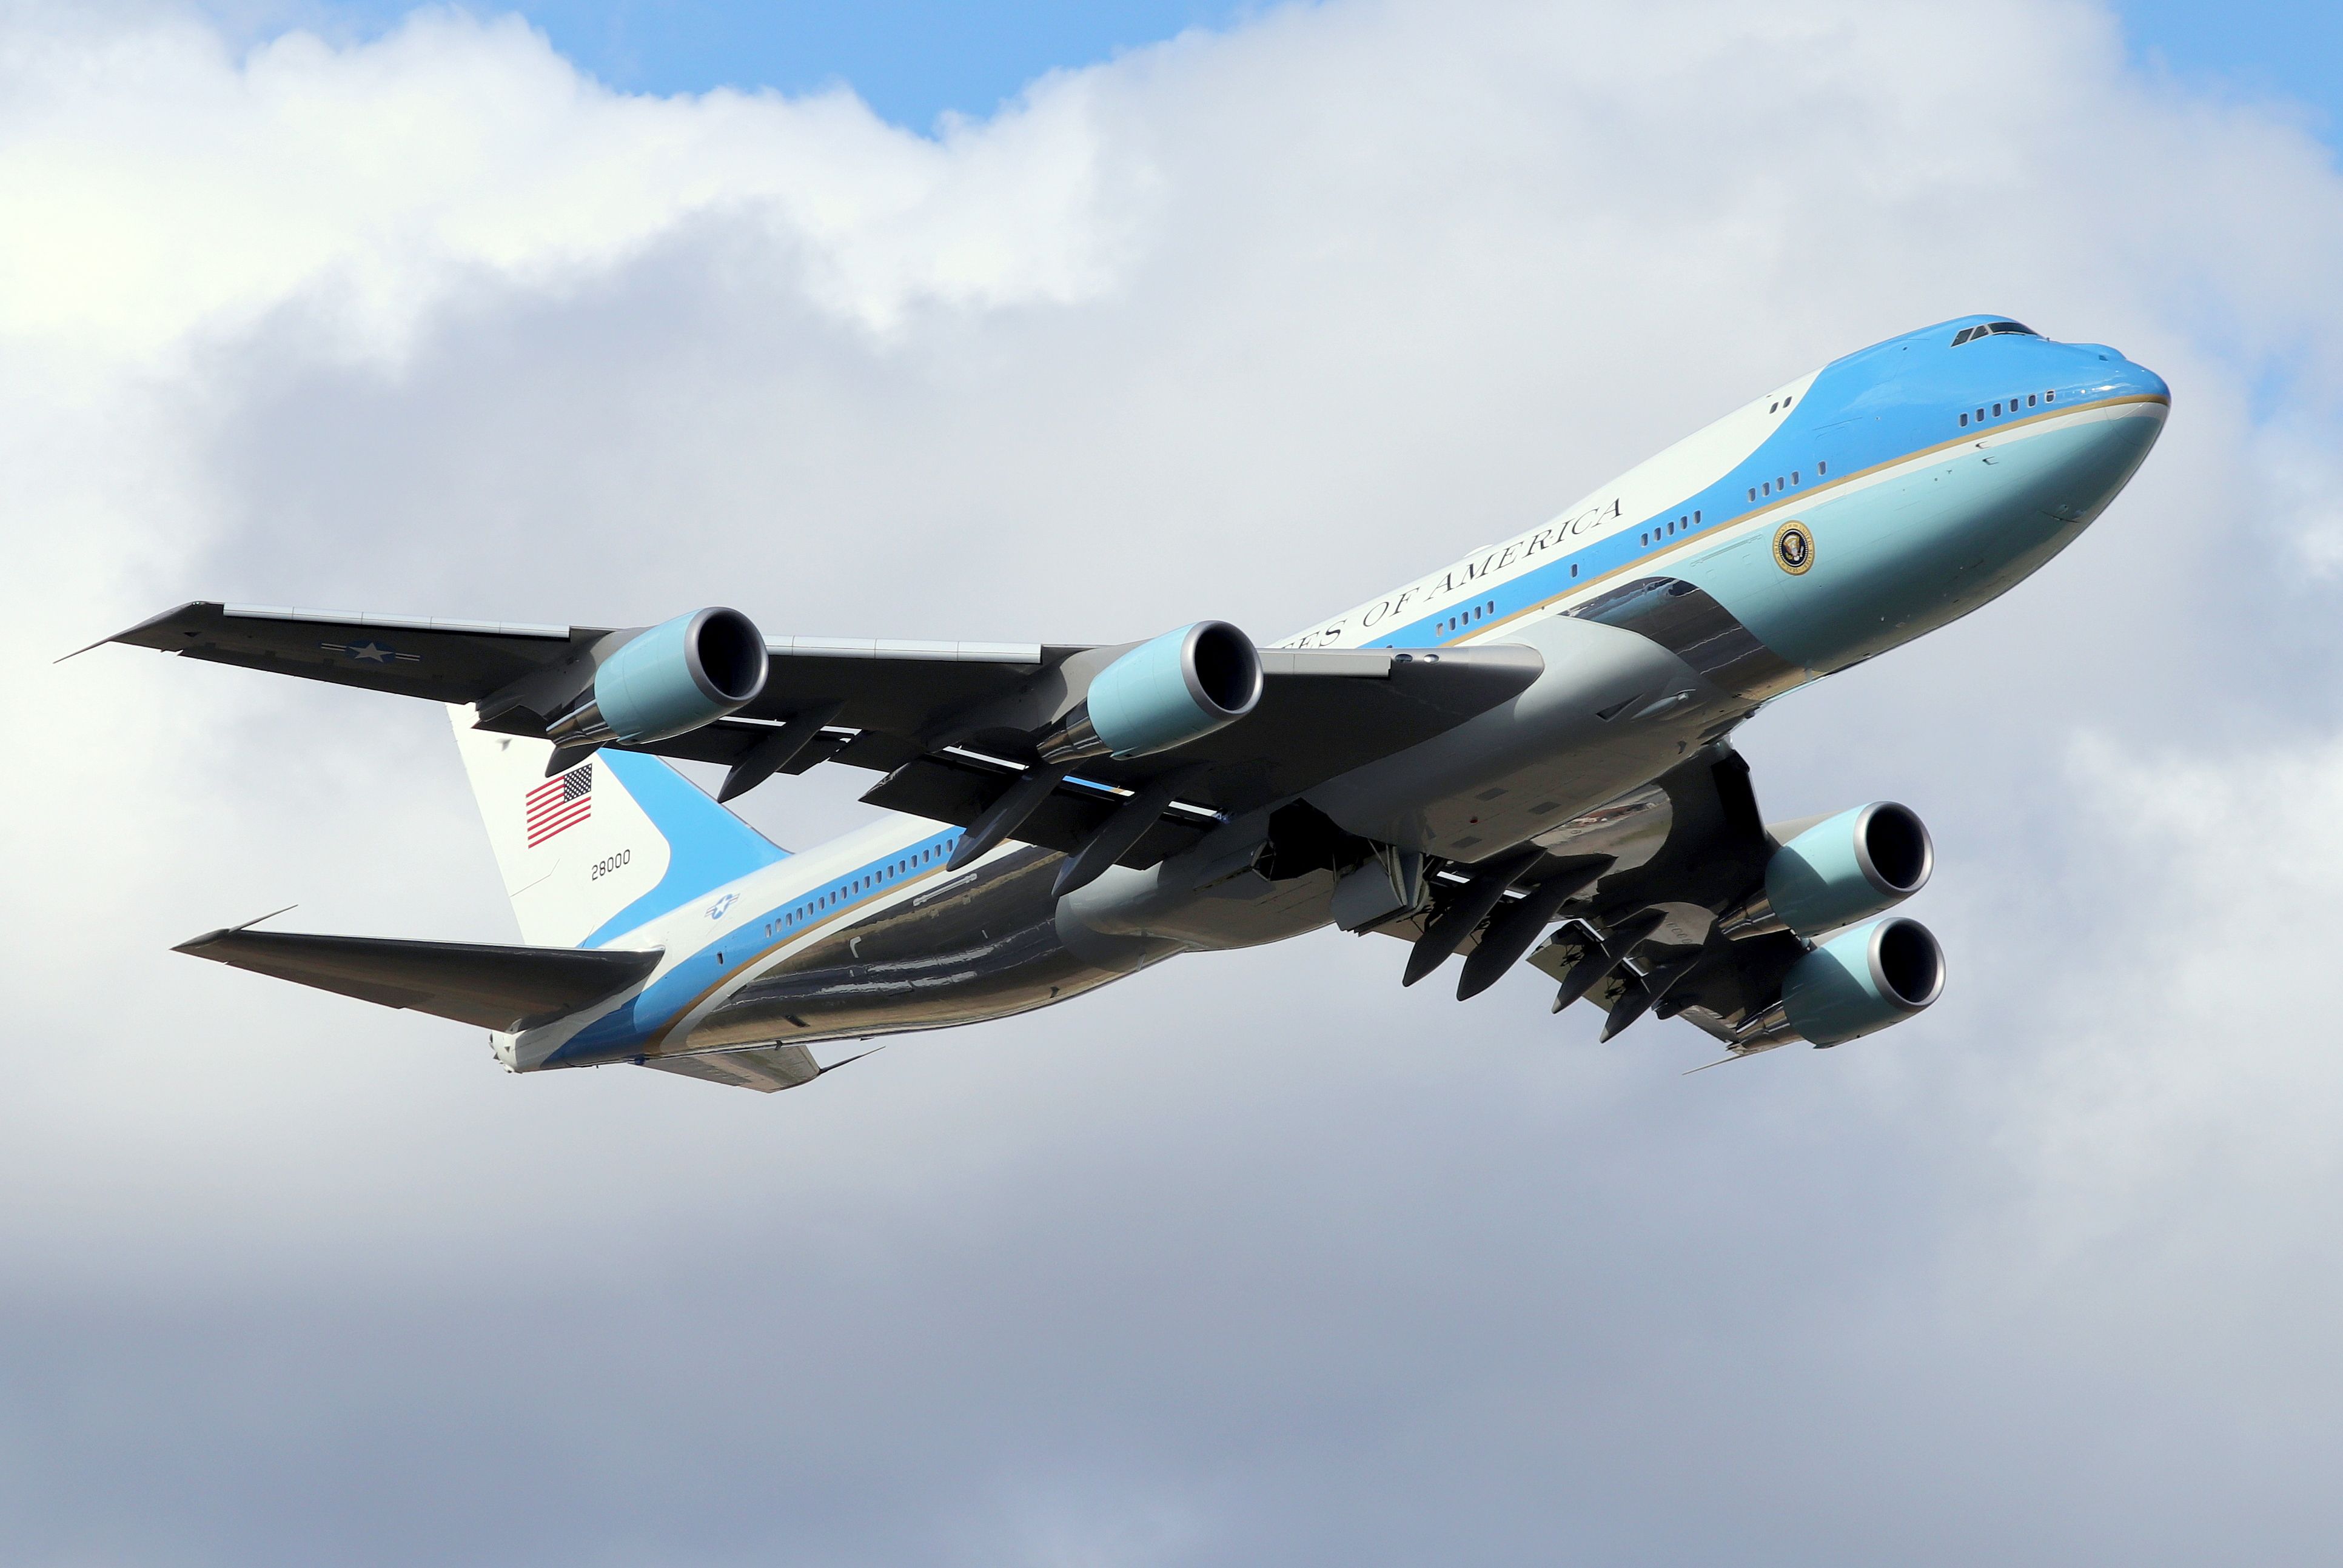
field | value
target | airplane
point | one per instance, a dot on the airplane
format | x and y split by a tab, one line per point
1525	758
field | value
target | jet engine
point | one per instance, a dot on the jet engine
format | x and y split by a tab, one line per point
1168	690
1844	868
1862	981
670	679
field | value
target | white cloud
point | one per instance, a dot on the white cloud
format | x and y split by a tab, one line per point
160	187
1250	324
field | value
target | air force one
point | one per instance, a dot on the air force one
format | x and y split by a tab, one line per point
1525	758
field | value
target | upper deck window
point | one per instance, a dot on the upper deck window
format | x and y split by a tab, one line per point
1991	328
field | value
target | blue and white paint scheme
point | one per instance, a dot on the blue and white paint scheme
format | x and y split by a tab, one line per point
1523	756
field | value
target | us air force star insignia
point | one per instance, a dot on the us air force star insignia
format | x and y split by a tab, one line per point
715	910
1794	549
371	652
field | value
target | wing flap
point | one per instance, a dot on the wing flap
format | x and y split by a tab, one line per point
498	988
947	787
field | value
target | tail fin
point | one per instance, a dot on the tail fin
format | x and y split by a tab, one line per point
592	853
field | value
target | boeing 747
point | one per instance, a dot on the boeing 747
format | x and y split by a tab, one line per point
1524	758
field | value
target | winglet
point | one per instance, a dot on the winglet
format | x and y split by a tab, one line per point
192	944
130	632
858	1056
1720	1061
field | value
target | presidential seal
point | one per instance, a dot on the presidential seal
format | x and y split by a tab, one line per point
1794	549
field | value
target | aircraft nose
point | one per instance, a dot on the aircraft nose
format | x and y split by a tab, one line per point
2131	380
2107	373
2128	403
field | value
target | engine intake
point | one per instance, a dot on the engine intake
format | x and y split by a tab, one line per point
670	679
1168	690
1844	868
1862	981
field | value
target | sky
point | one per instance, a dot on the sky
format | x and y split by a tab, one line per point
912	61
1256	1256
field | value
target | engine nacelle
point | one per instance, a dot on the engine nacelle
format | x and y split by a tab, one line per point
1167	692
1844	868
672	678
1862	981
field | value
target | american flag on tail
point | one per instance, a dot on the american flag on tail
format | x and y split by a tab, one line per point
559	803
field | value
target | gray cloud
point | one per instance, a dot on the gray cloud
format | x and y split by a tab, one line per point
1254	1257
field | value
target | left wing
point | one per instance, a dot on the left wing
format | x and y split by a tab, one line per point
1638	884
1667	902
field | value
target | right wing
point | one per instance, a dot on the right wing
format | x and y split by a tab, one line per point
950	725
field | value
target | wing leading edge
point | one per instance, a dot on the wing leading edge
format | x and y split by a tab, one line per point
951	726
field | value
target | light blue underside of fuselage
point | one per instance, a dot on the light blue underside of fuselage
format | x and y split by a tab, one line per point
1892	559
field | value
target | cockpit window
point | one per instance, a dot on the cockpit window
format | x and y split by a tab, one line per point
1992	328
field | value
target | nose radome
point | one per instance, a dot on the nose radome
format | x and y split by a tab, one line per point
2113	447
2142	382
2114	376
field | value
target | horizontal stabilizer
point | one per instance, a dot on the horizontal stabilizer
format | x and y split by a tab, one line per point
765	1068
498	988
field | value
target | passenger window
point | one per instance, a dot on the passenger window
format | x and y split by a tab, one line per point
2029	400
1964	418
2046	396
1768	486
1794	477
1695	518
1753	494
1821	468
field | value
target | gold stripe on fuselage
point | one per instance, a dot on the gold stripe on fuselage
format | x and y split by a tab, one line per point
1706	537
